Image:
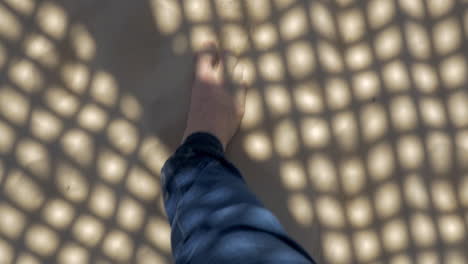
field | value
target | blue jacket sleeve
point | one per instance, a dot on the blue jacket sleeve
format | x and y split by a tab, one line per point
213	215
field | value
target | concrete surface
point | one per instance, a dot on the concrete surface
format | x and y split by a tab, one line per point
355	136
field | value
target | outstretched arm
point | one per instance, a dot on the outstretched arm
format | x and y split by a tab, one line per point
214	217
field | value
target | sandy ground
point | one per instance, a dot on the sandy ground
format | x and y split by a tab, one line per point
355	136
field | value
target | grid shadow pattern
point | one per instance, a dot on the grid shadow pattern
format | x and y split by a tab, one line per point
356	121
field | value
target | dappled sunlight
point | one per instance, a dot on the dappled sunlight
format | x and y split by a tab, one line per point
25	75
102	201
111	166
236	38
79	145
358	57
380	12
278	100
374	123
130	215
123	136
301	209
253	109
285	139
458	109
61	101
329	57
395	236
322	20
322	173
366	85
308	98
74	146
416	194
13	105
10	27
130	107
82	42
58	213
104	89
23	191
292	24
76	77
432	111
453	71
418	40
258	146
12	222
259	11
422	229
410	152
271	67
330	212
337	248
351	25
452	228
158	233
367	245
387	200
146	255
395	77
167	15
425	78
444	196
338	94
197	10
42	240
41	49
22	6
301	61
293	175
359	107
34	157
200	35
403	113
359	212
45	125
71	183
74	254
353	176
446	35
388	43
315	133
440	152
88	230
264	36
52	19
345	130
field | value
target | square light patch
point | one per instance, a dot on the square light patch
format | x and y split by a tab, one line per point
88	230
366	85
42	240
12	222
58	213
351	25
395	77
92	117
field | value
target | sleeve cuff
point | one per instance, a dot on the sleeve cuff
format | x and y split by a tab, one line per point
202	142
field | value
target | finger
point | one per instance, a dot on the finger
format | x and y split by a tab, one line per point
206	58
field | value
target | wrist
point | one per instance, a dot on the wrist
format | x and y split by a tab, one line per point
212	132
